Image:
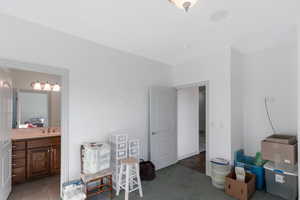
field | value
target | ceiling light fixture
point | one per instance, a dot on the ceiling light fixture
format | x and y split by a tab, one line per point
184	4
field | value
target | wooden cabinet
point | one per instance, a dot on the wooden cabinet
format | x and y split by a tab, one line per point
35	158
18	175
18	162
55	159
38	162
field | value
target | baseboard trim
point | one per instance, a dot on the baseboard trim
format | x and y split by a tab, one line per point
188	155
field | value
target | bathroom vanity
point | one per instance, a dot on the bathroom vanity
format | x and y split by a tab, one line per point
35	153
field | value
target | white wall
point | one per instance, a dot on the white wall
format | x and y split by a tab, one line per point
237	100
188	122
108	88
215	68
271	73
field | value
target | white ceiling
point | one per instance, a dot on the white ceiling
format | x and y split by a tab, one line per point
157	30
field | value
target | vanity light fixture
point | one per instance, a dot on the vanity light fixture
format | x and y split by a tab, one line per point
45	86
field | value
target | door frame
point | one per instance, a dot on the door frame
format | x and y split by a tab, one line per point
207	119
64	74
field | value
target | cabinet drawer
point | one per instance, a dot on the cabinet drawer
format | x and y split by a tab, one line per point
121	154
18	145
16	163
122	146
18	154
40	143
18	175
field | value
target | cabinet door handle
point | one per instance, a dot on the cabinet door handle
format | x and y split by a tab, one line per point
14	155
14	147
13	175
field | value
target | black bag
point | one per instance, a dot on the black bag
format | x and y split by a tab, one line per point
147	170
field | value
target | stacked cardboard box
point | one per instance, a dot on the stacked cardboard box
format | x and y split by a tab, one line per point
280	149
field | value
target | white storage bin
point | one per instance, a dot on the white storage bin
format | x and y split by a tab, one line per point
134	149
134	143
122	146
119	146
118	138
121	154
96	157
220	168
73	190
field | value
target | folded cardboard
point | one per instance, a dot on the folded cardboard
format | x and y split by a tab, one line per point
283	139
238	189
278	152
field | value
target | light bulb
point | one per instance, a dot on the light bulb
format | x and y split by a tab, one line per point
37	85
47	86
56	88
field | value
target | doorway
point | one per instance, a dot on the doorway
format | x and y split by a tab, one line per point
61	164
192	108
35	134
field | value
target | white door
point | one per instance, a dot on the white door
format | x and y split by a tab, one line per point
5	137
163	133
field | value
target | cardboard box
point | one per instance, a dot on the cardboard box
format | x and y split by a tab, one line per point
278	152
238	189
282	139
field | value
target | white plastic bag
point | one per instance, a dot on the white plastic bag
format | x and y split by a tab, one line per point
73	191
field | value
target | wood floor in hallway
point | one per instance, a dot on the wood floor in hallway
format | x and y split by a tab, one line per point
196	162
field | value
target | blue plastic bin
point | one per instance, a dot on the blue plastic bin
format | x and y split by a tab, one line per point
247	162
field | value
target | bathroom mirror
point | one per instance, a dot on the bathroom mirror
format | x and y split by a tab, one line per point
33	109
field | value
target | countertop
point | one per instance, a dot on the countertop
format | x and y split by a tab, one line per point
35	133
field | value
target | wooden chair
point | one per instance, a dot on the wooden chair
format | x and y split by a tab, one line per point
102	181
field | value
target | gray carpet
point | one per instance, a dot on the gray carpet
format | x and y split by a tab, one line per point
180	183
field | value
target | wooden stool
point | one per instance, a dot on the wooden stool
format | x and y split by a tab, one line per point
130	170
102	180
